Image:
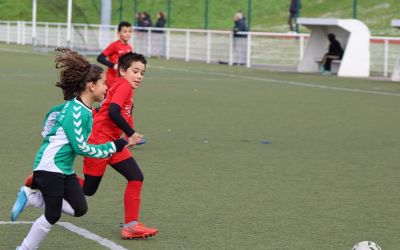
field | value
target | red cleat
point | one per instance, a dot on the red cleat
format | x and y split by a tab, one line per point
137	231
28	181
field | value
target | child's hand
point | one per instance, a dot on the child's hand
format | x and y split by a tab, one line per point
115	66
133	139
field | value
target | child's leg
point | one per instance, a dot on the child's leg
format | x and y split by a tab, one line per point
132	228
91	184
44	223
37	234
73	194
93	170
131	171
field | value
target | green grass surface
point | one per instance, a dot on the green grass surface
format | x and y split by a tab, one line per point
328	179
268	15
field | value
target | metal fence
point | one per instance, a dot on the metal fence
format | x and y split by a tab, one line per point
262	49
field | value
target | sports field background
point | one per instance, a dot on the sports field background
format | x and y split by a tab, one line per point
329	178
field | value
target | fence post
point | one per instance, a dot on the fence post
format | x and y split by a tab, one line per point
8	32
100	36
86	34
23	32
386	58
46	32
301	41
208	47
58	35
167	45
248	63
149	42
187	56
230	49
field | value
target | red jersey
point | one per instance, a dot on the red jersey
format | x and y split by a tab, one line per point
113	52
104	129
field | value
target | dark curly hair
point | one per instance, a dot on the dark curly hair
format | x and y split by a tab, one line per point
75	72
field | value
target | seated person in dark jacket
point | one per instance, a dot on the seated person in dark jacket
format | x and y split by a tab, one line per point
335	52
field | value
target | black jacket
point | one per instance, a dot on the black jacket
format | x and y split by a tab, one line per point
240	26
335	49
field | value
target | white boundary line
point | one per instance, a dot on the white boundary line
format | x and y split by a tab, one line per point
78	230
14	50
307	85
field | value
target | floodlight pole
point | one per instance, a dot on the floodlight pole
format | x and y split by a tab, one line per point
69	19
120	10
34	8
135	9
249	14
354	9
206	14
168	13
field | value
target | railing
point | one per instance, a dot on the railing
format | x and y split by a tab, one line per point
260	49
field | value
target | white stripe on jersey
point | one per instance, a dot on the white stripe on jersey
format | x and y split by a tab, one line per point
56	142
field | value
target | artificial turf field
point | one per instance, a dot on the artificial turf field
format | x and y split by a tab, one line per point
328	178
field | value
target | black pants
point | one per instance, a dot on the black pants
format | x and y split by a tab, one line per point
55	187
127	168
328	61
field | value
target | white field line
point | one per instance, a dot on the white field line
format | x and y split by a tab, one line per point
78	230
300	84
15	50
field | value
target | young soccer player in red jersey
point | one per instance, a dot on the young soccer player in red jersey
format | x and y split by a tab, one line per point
115	50
113	119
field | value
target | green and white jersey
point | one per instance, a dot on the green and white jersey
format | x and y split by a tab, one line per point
66	131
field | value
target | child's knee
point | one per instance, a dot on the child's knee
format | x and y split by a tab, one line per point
80	211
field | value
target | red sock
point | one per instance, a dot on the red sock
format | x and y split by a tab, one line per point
28	181
132	200
81	180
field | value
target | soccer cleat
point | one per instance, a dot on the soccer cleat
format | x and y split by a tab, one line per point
137	231
28	181
141	141
19	204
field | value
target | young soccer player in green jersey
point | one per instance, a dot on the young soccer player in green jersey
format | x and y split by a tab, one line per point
66	130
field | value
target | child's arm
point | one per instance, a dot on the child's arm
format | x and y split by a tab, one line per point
77	126
115	115
103	60
122	93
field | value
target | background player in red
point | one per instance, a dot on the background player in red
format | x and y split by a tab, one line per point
109	56
113	52
114	119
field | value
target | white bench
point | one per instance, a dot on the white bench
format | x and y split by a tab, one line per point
396	67
334	65
352	34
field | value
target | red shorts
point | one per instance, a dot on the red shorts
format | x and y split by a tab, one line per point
97	166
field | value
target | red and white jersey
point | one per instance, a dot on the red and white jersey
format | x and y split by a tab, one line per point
103	127
113	52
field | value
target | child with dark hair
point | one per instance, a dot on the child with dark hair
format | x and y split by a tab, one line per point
109	56
65	132
114	119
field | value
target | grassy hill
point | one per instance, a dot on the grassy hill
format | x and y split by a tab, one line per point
266	15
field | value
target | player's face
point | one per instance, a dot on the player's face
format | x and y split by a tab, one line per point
135	74
99	88
125	34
